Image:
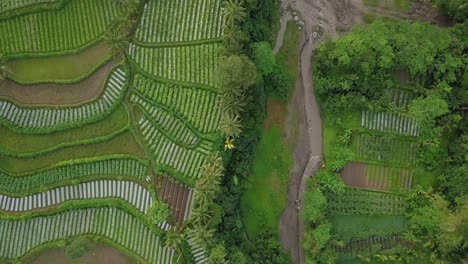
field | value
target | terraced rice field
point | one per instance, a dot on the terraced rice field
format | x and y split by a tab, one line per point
130	192
19	237
47	119
155	113
76	25
129	168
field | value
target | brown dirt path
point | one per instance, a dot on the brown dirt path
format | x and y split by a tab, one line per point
55	93
319	18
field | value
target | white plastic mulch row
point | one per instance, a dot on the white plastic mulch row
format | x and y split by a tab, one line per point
198	106
44	117
165	21
199	253
168	153
118	167
131	192
19	237
390	122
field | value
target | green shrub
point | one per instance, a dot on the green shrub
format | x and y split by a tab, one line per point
78	247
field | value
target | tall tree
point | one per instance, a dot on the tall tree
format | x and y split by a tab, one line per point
230	125
234	12
202	235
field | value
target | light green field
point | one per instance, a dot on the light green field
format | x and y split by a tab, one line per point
26	143
68	68
361	226
265	199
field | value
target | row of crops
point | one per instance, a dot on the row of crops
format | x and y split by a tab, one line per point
77	24
193	64
199	253
173	126
48	118
196	106
169	154
131	192
19	237
110	167
373	243
385	149
180	21
390	122
381	177
7	5
401	98
362	202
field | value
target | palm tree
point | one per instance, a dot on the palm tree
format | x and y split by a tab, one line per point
232	35
202	235
174	239
202	197
230	125
234	12
201	215
117	41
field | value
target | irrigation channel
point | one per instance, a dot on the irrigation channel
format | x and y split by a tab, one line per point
316	18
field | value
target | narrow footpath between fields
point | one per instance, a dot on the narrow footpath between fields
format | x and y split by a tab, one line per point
317	18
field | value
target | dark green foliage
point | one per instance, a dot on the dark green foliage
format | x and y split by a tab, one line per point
458	9
267	249
78	247
158	213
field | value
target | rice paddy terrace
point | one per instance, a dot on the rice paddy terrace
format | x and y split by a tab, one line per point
93	134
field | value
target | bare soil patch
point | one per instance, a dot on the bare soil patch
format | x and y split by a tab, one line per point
55	93
275	114
176	196
354	175
99	255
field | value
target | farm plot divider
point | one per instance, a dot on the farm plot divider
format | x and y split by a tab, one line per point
17	238
47	119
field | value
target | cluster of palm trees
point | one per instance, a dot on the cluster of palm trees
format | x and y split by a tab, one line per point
231	99
117	37
207	187
200	227
234	13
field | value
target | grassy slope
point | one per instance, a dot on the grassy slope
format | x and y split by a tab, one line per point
25	143
121	144
264	201
59	68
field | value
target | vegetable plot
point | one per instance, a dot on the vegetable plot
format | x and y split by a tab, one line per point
180	21
19	237
68	29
